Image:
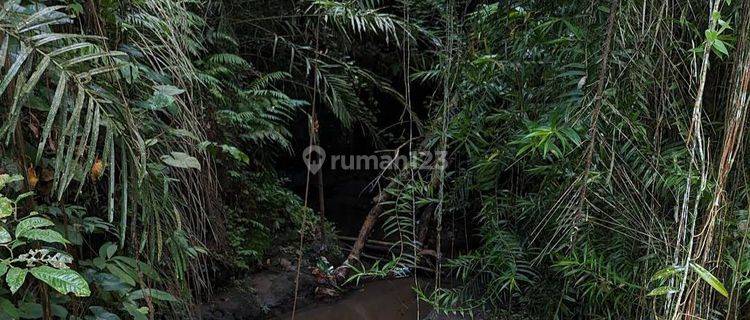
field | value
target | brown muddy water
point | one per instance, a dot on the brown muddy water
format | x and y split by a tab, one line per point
379	300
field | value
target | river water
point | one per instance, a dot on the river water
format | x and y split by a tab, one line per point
379	300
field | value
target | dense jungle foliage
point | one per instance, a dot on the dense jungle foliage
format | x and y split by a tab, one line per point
592	152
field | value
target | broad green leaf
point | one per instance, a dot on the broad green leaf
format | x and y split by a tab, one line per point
63	280
124	276
99	262
181	160
6	207
32	223
3	268
131	263
721	47
46	235
111	250
15	278
710	279
107	250
5	236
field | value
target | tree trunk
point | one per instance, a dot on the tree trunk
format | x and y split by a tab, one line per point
364	233
705	252
372	217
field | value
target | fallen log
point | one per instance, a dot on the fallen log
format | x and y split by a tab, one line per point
364	232
383	244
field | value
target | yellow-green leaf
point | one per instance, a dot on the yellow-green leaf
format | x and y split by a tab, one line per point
63	280
6	207
32	223
4	236
46	235
710	279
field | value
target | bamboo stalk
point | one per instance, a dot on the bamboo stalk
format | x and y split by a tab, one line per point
598	100
694	143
